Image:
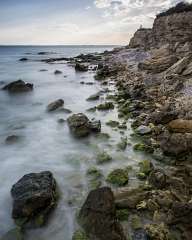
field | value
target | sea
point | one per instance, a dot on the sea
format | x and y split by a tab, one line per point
44	143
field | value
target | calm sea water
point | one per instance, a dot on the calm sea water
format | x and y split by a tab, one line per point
46	144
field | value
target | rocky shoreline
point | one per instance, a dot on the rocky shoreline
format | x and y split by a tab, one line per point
152	89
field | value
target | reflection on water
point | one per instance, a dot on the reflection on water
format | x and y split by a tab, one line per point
47	144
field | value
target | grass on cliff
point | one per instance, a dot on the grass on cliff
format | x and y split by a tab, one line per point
179	8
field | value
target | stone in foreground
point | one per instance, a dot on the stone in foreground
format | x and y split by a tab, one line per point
55	105
18	86
81	126
34	195
98	216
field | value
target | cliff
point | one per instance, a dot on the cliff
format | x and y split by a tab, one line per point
171	28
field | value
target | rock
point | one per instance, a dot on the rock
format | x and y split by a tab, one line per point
158	179
136	222
122	214
180	126
158	64
66	110
57	72
129	198
118	177
79	235
95	176
43	70
81	126
141	38
157	231
61	120
145	167
181	212
81	67
94	97
98	216
176	144
105	106
23	59
143	148
34	195
139	234
143	130
179	66
55	105
12	139
163	116
112	123
18	86
103	157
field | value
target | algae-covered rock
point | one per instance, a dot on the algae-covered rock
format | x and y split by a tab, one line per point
55	105
112	123
93	171
105	106
122	144
158	232
103	157
136	222
143	130
79	235
145	167
122	214
143	148
118	177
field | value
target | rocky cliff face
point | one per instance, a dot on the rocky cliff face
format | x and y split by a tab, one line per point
174	30
141	39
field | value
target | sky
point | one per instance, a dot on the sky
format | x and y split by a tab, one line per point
76	22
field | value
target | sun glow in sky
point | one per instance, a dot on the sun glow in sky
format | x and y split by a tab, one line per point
76	21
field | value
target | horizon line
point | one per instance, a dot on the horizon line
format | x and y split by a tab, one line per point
9	45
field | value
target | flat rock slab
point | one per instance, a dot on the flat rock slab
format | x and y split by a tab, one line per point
34	195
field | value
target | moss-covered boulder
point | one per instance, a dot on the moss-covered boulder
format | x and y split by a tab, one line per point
143	148
94	97
95	175
136	222
118	177
103	157
112	123
158	232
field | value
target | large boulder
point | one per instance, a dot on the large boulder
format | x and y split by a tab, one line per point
18	86
176	143
55	105
98	216
81	126
180	126
34	195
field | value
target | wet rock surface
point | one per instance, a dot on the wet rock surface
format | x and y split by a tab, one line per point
34	195
98	216
55	105
18	86
81	126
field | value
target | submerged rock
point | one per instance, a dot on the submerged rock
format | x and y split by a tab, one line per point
14	234
103	157
55	105
18	86
98	216
105	106
23	59
81	126
94	97
12	139
34	195
57	72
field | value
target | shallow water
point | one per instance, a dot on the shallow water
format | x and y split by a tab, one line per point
46	144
